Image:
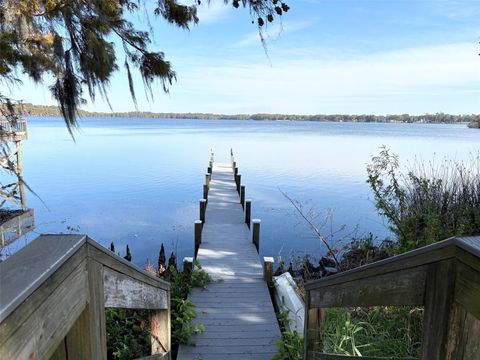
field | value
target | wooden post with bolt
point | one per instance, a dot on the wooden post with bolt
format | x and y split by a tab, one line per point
242	196
248	212
198	235
203	208
268	270
256	233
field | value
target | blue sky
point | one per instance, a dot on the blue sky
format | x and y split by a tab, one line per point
328	56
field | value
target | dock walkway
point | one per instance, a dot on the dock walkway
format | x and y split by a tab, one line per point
236	308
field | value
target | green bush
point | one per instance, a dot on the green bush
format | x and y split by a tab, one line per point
427	203
128	334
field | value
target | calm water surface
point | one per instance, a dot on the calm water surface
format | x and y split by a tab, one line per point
138	181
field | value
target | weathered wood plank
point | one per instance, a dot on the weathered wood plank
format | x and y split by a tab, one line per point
439	297
41	333
97	322
23	273
77	343
396	263
467	289
160	332
31	303
114	262
123	291
404	287
237	310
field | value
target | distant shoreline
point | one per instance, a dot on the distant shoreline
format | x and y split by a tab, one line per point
438	118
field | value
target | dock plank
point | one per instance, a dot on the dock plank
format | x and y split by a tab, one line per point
236	308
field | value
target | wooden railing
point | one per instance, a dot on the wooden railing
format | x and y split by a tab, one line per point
53	295
13	130
444	278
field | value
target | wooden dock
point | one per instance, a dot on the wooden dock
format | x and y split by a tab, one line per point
236	308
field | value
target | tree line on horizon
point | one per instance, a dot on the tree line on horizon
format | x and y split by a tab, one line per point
437	118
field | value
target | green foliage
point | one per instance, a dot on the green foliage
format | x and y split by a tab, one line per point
183	310
183	313
128	334
290	346
377	331
426	204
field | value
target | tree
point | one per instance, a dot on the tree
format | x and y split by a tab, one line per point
71	41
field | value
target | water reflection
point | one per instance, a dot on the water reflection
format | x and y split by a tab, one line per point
16	219
138	181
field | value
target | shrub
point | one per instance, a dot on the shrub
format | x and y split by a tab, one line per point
428	203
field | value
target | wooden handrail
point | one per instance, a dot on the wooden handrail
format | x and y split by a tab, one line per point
443	277
54	292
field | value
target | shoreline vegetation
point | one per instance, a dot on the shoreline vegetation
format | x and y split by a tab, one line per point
473	120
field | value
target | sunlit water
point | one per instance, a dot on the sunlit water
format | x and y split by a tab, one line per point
138	181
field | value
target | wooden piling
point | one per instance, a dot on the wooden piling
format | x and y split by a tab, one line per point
235	171
205	192
234	164
248	212
187	264
198	235
208	177
256	233
239	182
242	196
203	208
268	270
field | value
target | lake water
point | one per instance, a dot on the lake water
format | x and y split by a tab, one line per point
138	181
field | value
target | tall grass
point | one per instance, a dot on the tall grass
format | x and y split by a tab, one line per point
426	202
377	331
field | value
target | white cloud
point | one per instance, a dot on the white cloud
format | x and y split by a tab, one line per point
212	13
399	79
275	30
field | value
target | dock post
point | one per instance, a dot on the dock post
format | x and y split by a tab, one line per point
242	196
234	164
198	235
235	171
239	181
256	233
188	265
268	270
203	208
208	177
209	169
205	193
248	212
